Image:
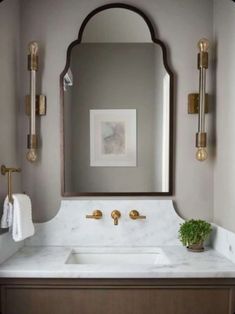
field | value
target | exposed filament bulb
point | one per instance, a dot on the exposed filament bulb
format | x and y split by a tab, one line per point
201	154
31	155
203	45
33	48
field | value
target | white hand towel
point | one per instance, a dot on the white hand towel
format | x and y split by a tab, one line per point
22	217
7	216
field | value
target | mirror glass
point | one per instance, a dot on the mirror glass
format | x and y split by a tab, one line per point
116	109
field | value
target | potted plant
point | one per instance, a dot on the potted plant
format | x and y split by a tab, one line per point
193	233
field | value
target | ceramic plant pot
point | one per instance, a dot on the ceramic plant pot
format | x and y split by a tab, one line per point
197	247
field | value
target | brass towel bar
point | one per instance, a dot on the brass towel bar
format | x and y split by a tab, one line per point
8	172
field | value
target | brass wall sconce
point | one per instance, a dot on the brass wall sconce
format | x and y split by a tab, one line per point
35	104
198	103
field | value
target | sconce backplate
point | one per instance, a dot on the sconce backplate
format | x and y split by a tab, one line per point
40	105
193	103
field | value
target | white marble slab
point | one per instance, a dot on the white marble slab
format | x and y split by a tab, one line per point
45	254
223	241
50	262
8	247
71	228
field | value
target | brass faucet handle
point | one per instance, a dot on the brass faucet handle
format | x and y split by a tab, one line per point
134	214
97	214
115	215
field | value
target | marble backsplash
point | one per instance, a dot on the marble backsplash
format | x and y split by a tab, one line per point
8	247
71	228
223	241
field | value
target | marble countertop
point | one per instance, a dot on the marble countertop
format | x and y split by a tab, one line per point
50	262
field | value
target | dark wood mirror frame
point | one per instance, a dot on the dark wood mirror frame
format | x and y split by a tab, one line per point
171	97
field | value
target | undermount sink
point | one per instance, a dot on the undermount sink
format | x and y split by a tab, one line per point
117	256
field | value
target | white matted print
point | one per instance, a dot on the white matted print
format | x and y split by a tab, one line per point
113	138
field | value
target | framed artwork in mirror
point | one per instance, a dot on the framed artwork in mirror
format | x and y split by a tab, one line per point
113	138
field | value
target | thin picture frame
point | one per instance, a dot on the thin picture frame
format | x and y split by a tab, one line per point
113	138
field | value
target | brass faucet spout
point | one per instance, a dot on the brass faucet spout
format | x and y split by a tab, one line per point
115	215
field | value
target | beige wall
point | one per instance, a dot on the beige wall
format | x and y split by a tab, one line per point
180	23
9	39
224	172
55	23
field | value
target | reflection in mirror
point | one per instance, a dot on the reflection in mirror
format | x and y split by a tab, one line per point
116	109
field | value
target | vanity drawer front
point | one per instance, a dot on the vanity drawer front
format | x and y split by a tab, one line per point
38	300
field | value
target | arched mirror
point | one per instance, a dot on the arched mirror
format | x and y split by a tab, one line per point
116	96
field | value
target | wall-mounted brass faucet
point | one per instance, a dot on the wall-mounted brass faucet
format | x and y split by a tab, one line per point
97	214
115	215
134	214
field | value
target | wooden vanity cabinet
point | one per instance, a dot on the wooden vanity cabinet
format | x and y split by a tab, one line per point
118	296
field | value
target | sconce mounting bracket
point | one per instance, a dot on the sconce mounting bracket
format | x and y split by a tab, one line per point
193	103
41	105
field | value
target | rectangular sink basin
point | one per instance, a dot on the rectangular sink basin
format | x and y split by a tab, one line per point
125	256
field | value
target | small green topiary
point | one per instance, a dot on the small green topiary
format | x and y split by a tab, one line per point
194	232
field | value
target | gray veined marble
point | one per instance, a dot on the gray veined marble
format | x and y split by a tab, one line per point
71	228
50	262
71	246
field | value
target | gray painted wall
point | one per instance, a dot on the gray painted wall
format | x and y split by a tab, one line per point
180	24
224	171
55	23
9	40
